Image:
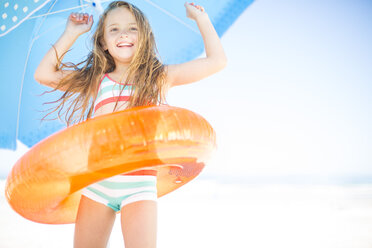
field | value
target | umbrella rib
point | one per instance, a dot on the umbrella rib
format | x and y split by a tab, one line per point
49	13
59	11
24	73
82	6
37	31
172	16
20	93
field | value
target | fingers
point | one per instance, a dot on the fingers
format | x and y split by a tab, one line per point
197	6
80	17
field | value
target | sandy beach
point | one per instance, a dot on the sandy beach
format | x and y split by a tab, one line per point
206	213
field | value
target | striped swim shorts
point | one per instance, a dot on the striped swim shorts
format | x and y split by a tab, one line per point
118	191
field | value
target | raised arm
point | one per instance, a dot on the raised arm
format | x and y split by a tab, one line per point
47	73
215	60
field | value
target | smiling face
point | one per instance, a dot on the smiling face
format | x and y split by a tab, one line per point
120	35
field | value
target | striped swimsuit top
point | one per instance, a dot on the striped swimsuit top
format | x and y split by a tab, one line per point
109	91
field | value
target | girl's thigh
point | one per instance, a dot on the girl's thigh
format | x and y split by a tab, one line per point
139	224
93	225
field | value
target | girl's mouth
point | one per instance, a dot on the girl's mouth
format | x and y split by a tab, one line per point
124	44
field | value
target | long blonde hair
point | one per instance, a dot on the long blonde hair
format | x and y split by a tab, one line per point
145	71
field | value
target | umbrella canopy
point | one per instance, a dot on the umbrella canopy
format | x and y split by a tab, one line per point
29	28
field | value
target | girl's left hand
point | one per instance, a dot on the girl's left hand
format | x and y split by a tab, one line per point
193	11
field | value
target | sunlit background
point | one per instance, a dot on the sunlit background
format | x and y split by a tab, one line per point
293	117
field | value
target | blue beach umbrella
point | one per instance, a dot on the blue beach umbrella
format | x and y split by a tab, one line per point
28	28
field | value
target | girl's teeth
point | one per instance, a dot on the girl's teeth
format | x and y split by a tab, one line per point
124	45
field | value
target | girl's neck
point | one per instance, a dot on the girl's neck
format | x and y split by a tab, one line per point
117	76
120	69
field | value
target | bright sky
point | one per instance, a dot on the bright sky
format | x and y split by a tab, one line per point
296	94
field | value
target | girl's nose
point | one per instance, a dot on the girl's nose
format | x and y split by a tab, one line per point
124	33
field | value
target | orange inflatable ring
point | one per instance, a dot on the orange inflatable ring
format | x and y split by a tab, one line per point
45	183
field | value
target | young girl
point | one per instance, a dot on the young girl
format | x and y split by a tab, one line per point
121	72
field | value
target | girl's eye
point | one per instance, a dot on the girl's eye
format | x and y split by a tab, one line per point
115	29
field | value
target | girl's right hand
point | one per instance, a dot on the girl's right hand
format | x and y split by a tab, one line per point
79	23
